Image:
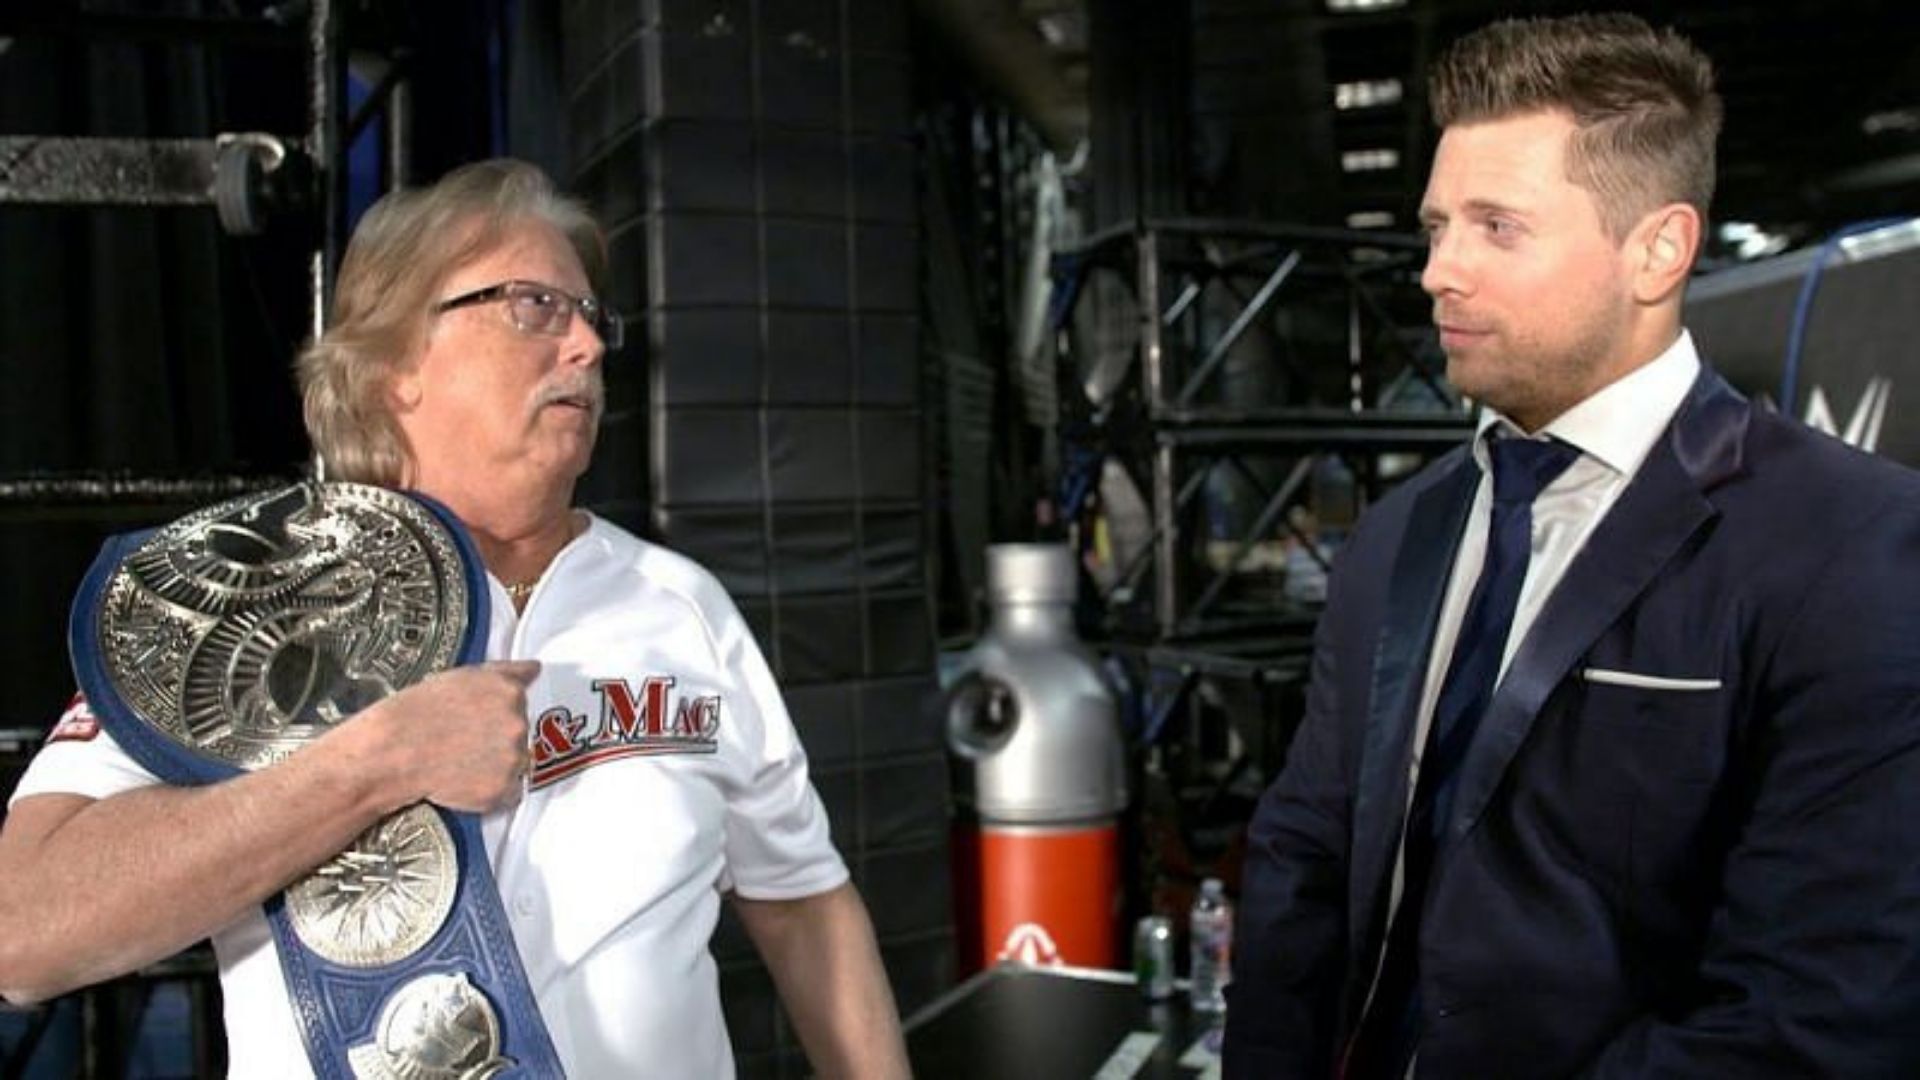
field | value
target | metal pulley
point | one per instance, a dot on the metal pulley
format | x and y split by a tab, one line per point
256	177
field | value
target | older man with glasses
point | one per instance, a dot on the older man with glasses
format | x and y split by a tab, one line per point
619	763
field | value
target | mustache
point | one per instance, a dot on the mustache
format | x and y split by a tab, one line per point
589	390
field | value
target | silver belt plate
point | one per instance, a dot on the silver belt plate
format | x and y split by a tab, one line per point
248	629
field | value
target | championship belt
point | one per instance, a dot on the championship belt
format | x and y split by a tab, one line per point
233	637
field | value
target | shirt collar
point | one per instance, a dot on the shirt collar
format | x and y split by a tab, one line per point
1618	424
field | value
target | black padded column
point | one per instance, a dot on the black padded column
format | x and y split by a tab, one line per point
754	165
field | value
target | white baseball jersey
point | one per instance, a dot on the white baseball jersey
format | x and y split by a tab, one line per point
666	770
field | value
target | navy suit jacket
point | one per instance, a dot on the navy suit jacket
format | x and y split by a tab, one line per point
1636	882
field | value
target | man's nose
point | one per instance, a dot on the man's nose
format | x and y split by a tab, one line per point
583	342
1444	272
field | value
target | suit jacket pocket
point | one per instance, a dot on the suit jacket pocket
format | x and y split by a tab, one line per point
1615	778
1646	739
1664	754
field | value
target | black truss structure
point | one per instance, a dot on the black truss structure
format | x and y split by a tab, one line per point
1333	327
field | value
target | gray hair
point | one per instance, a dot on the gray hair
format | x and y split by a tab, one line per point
401	255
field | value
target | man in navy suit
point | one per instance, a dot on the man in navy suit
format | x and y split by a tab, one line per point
1611	763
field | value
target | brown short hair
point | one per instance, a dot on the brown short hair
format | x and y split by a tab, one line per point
1643	100
401	254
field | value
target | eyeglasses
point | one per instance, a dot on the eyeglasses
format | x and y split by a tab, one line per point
543	309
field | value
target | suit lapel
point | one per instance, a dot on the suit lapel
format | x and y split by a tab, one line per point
1662	507
1415	591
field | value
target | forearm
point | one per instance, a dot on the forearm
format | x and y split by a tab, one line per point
93	889
826	965
89	890
1289	953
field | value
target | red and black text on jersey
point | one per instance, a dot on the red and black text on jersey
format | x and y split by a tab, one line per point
651	721
77	724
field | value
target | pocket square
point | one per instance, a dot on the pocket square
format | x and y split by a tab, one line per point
1610	677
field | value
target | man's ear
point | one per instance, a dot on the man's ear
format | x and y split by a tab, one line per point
1662	248
404	389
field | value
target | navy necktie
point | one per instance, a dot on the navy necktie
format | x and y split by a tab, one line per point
1390	1029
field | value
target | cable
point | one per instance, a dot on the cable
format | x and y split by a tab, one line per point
1803	305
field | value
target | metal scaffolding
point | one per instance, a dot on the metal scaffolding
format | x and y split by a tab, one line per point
1267	353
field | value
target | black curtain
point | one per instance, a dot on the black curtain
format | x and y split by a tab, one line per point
133	341
145	343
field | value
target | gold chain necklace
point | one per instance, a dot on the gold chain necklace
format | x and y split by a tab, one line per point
519	591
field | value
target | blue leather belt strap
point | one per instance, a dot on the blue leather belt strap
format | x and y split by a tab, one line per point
338	1006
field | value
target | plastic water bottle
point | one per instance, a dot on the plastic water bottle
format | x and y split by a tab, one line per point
1210	926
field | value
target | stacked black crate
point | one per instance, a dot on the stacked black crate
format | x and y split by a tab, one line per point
753	163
